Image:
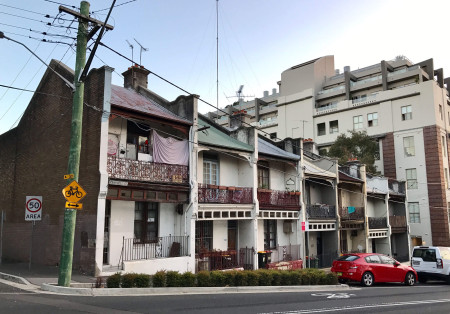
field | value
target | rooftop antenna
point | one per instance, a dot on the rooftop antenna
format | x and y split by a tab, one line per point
142	49
239	95
131	46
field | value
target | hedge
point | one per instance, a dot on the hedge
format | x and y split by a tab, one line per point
260	277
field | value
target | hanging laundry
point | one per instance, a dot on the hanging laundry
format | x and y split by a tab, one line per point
351	209
169	150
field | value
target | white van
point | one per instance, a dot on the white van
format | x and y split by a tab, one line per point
431	262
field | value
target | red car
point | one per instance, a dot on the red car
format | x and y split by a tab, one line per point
368	268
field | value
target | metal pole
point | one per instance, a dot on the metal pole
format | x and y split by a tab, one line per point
65	267
217	53
31	244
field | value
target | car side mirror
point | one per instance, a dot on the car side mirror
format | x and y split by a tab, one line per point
396	263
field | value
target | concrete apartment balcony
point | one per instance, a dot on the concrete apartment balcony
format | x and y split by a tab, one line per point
321	212
138	170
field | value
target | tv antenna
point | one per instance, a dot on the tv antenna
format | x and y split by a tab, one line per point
131	46
239	94
142	49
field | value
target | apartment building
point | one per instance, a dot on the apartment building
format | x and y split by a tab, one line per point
403	105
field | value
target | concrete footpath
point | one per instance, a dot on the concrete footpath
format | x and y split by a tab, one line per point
43	279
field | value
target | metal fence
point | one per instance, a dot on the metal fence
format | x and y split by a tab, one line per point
224	195
279	199
285	253
321	211
377	223
351	213
221	260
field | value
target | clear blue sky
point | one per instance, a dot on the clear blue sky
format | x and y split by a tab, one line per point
258	39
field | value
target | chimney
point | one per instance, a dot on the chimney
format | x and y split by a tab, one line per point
135	76
274	91
347	68
266	93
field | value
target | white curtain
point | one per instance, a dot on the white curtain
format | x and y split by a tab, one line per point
169	150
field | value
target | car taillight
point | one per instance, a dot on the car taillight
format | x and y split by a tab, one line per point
353	267
439	263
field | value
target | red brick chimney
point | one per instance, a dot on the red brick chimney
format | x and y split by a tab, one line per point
135	76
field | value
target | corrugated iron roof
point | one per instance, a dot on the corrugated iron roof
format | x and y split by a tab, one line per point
130	99
267	148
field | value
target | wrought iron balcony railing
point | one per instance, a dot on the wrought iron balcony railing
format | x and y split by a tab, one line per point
137	170
208	193
278	199
321	211
351	213
377	223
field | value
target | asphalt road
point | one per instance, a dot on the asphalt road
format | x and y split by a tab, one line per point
389	298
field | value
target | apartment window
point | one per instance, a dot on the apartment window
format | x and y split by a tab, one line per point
414	212
446	177
372	119
444	146
263	175
145	221
270	234
411	178
210	171
406	112
321	129
273	136
408	146
357	122
440	112
334	127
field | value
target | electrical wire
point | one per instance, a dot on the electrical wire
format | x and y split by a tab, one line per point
117	5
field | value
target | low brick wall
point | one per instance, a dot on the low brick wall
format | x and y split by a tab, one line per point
287	265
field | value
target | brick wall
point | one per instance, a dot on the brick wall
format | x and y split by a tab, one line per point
38	150
389	156
436	185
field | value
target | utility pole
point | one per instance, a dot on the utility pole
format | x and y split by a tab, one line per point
65	265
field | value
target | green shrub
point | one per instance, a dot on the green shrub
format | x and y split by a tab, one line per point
173	279
142	281
286	278
331	279
113	281
187	279
217	278
228	277
252	277
159	279
240	278
265	277
128	280
276	277
295	277
203	279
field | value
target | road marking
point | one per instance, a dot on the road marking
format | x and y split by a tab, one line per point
358	307
340	295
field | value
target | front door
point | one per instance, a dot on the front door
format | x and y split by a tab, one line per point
232	235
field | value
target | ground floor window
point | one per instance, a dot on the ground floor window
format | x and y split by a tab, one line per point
270	234
203	236
146	221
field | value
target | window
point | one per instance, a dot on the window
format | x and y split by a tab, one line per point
387	260
273	136
408	146
321	129
372	119
440	112
270	234
334	127
446	177
411	178
373	259
210	171
406	112
145	221
357	122
263	175
414	212
444	146
203	236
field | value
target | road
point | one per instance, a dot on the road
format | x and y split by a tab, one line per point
389	298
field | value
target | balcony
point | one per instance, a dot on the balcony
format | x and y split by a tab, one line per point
208	193
321	211
377	223
161	247
137	170
272	199
351	213
398	224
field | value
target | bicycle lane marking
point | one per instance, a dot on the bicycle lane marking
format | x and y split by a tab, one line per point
339	295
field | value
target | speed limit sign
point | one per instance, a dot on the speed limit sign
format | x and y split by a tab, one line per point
33	208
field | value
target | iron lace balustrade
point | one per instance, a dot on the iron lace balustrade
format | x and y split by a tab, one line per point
321	211
137	170
161	247
377	223
347	213
224	195
278	199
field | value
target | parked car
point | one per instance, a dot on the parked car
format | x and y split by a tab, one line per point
368	268
431	262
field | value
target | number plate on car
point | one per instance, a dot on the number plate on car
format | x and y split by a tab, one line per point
416	262
339	273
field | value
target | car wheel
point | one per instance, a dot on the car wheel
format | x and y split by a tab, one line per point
410	279
423	279
367	279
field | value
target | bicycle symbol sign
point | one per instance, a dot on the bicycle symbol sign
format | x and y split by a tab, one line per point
73	192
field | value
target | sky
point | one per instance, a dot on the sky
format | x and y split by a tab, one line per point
258	40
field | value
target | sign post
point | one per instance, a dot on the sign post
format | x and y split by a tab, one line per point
33	212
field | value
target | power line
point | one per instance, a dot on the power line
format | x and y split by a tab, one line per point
46	23
21	9
38	32
117	5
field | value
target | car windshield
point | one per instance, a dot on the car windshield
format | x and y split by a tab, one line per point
427	255
348	258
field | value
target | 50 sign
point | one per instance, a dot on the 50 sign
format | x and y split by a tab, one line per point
33	208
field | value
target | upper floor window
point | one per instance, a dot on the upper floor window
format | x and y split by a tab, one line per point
263	175
444	146
334	127
372	119
414	212
273	135
210	171
440	112
408	146
406	112
357	122
411	178
321	129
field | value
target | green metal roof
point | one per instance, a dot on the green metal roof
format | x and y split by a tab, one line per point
213	136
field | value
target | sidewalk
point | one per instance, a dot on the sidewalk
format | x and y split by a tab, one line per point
44	279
